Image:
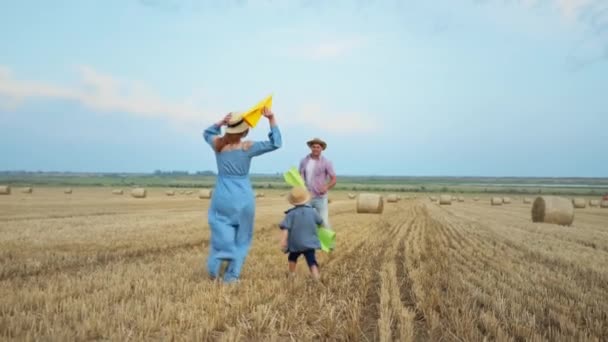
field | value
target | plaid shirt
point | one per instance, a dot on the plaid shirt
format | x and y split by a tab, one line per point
323	171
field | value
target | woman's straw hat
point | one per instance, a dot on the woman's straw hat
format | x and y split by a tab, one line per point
236	124
298	196
317	141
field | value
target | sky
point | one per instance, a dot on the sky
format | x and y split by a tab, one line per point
410	87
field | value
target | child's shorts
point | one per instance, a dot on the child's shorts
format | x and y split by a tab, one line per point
309	254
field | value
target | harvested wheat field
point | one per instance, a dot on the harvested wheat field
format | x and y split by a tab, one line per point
103	267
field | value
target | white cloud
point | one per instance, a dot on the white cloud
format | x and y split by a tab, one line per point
100	92
328	49
570	9
106	93
331	121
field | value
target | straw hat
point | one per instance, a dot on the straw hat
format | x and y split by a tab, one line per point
236	124
298	196
317	141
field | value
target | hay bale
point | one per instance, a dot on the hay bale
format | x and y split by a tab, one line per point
496	201
454	198
553	209
392	198
117	192
445	199
182	192
259	195
205	193
604	204
5	190
351	196
527	200
370	203
506	200
139	193
594	203
475	199
282	194
170	192
67	191
27	190
433	199
460	199
189	193
579	203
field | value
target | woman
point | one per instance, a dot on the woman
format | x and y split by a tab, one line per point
232	209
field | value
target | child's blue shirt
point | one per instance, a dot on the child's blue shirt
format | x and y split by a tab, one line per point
301	222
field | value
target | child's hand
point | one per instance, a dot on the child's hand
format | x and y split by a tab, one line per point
284	245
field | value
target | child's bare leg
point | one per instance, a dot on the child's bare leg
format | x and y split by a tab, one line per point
314	271
292	267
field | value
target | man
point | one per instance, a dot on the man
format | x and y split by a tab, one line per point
319	175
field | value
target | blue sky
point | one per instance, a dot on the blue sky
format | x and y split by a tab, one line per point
447	87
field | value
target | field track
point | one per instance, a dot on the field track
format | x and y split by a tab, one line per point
94	266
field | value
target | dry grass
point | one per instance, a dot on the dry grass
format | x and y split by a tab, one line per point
103	267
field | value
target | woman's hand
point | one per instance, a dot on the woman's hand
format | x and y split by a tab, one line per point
225	120
267	113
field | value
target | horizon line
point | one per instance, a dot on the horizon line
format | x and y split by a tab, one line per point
193	173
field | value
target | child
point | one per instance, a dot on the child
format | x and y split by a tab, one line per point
299	231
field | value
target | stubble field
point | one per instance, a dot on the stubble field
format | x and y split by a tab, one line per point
96	266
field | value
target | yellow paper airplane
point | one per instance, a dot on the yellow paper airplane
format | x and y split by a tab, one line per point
253	115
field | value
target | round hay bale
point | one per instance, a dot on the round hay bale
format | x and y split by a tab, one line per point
259	194
579	203
370	203
527	200
445	199
454	198
182	192
189	193
460	199
553	209
170	192
27	190
433	199
594	203
392	198
117	192
506	200
351	196
282	194
205	193
496	201
475	199
604	204
139	193
5	190
67	191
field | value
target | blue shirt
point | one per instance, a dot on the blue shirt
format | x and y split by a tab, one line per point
301	222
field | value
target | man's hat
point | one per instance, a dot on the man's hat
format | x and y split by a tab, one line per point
317	141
